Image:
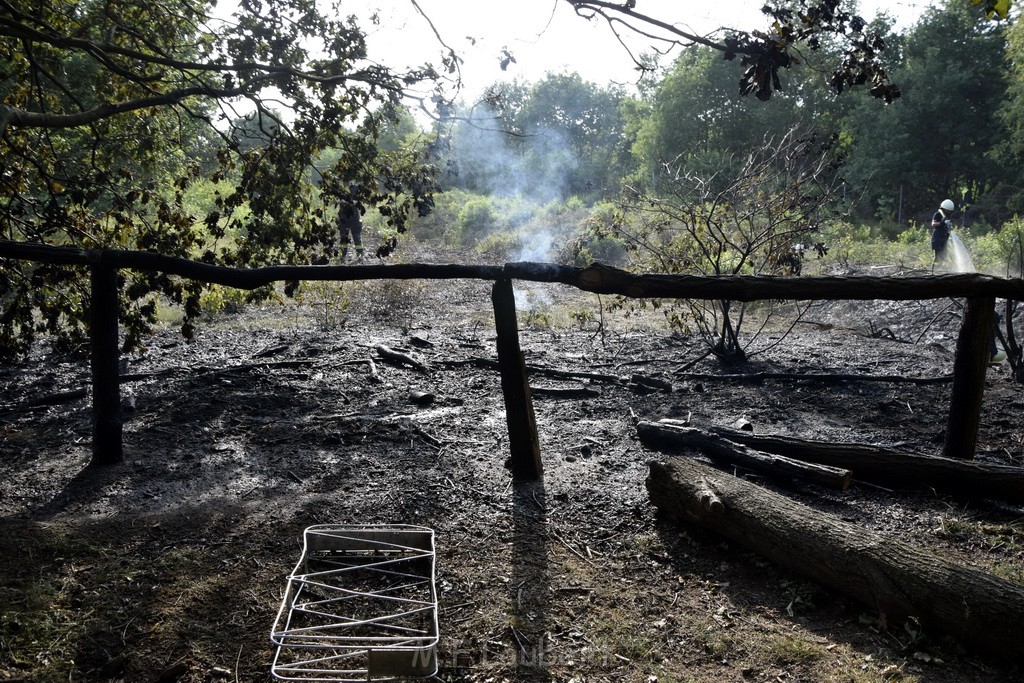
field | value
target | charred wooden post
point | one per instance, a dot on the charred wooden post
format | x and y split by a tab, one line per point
107	447
522	424
973	348
899	580
608	280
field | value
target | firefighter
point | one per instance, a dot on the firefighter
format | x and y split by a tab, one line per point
350	223
942	225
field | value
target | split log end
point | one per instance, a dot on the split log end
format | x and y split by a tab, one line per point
698	501
708	499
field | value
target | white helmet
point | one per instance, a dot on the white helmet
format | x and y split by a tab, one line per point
947	205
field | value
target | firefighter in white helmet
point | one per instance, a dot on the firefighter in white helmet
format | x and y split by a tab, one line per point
942	224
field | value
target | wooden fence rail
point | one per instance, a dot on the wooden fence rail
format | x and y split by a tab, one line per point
969	366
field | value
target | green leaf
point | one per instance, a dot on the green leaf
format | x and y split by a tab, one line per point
994	8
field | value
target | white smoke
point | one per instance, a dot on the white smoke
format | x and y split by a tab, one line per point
534	165
536	247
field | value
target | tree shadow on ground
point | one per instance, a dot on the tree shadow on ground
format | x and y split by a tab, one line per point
166	584
531	581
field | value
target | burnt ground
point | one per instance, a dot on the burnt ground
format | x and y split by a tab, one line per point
170	566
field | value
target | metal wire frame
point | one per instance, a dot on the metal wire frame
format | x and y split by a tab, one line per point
360	605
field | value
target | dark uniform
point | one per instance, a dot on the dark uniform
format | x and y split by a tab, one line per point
350	225
940	234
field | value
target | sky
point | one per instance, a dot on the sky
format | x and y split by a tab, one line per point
546	36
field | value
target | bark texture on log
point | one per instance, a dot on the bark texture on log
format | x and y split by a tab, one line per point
660	436
899	580
893	467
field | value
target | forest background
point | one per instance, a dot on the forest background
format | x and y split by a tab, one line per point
682	174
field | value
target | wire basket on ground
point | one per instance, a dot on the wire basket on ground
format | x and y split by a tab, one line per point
361	605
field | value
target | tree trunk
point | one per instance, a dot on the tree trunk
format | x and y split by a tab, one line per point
897	579
893	467
973	350
662	436
522	425
107	425
1010	344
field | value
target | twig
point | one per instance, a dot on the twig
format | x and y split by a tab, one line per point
687	366
272	351
515	634
572	550
373	370
242	367
427	436
931	322
637	361
600	325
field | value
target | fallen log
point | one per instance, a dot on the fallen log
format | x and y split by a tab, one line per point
565	392
893	467
398	358
655	383
660	436
48	400
538	370
901	581
574	374
825	377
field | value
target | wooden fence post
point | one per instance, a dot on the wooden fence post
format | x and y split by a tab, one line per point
522	425
107	430
973	350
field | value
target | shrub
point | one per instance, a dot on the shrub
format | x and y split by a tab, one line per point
1000	253
858	245
476	219
398	301
329	301
217	300
500	245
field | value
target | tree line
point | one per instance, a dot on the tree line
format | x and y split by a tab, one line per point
165	128
954	131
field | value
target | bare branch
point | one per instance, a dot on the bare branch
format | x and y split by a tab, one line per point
102	51
637	22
